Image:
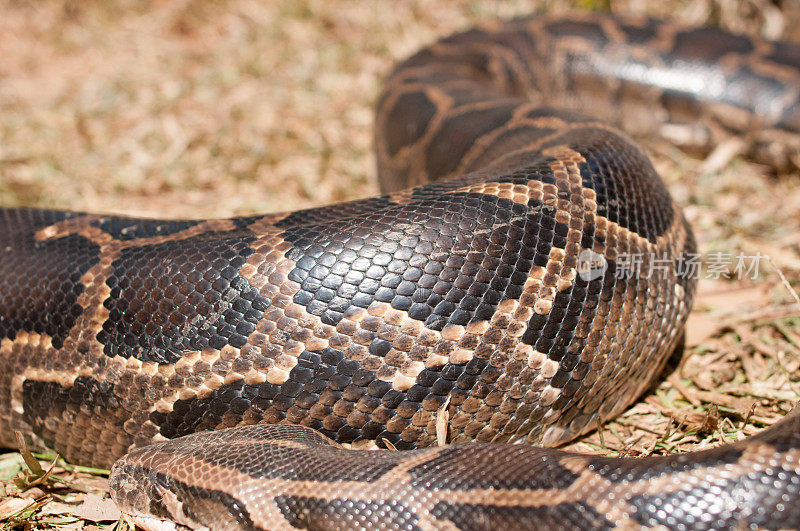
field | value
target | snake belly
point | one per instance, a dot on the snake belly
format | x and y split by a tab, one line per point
229	358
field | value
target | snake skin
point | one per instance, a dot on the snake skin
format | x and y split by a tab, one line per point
495	286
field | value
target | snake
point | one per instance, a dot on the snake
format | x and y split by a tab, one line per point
220	365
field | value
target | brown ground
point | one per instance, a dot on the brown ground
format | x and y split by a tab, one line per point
217	108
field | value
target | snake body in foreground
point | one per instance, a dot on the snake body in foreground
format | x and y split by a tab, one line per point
493	278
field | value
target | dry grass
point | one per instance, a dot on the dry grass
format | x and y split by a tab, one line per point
216	108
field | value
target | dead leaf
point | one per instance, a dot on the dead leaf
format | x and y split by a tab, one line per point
58	508
697	421
11	506
701	327
96	508
715	301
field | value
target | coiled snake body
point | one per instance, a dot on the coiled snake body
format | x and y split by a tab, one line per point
469	292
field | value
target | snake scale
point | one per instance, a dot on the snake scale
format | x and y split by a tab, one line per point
464	288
